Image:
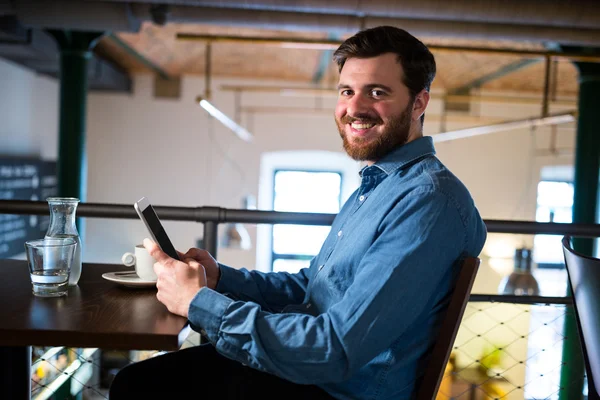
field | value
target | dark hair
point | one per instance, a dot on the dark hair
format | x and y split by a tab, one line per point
415	58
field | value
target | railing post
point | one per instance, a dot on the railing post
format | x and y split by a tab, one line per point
210	237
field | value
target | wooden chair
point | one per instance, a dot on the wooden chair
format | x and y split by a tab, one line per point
584	278
441	351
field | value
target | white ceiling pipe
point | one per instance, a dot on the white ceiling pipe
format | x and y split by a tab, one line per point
505	126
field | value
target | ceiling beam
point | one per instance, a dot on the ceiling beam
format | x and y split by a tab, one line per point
499	73
152	66
324	61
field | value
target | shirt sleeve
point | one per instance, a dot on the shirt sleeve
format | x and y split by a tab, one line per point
272	291
419	241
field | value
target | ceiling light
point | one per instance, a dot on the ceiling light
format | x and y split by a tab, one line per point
240	131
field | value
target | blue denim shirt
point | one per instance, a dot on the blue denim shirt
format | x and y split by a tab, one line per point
360	321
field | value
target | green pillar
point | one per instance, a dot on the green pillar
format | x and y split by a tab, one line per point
75	51
585	206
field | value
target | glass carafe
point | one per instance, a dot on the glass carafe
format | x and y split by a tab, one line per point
62	224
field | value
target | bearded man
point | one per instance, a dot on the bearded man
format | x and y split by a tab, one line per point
359	323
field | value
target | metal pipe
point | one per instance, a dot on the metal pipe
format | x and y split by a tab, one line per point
451	98
329	44
103	16
223	215
511	298
210	237
207	72
573	14
546	94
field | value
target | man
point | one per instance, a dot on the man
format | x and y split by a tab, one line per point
360	321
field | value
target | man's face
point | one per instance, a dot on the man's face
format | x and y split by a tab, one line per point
374	112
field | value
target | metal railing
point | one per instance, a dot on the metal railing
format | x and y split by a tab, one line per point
211	217
472	375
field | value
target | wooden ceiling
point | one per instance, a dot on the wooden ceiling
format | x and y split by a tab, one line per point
158	46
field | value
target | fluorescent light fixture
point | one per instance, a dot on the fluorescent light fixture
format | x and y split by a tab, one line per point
241	132
505	126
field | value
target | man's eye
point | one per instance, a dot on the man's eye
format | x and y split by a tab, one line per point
377	93
346	92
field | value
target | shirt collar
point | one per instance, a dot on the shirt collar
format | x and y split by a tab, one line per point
404	155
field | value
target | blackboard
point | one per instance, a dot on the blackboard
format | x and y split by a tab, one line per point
24	179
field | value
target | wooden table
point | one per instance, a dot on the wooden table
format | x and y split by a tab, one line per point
95	313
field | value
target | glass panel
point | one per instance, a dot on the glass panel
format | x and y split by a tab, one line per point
553	282
299	239
291	266
555	194
547	249
554	204
303	191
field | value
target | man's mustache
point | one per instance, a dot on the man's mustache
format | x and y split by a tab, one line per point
364	118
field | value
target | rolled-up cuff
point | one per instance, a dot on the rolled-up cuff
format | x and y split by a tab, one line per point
206	312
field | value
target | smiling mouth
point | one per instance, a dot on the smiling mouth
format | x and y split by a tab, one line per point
361	125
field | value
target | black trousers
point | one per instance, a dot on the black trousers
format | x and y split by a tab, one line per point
202	373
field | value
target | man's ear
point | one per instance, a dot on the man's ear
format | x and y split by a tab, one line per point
420	104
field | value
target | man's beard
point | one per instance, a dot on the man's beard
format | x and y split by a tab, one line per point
395	134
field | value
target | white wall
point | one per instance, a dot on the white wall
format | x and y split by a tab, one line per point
28	113
172	153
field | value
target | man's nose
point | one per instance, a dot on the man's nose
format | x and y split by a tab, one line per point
357	105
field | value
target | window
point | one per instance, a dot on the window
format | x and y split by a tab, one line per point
293	246
554	204
304	163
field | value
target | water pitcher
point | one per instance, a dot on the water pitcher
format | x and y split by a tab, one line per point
62	224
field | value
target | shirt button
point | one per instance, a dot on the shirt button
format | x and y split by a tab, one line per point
321	267
339	233
361	198
308	306
203	332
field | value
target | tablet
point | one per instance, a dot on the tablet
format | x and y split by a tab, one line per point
148	215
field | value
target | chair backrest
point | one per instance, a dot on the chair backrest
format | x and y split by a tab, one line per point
584	278
441	351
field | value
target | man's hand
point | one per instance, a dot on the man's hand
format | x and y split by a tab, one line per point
177	281
213	273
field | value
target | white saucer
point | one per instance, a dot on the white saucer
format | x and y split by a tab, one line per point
129	280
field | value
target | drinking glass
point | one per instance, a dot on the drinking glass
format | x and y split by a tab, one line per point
50	263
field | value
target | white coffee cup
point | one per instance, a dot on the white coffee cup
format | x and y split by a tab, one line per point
143	262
